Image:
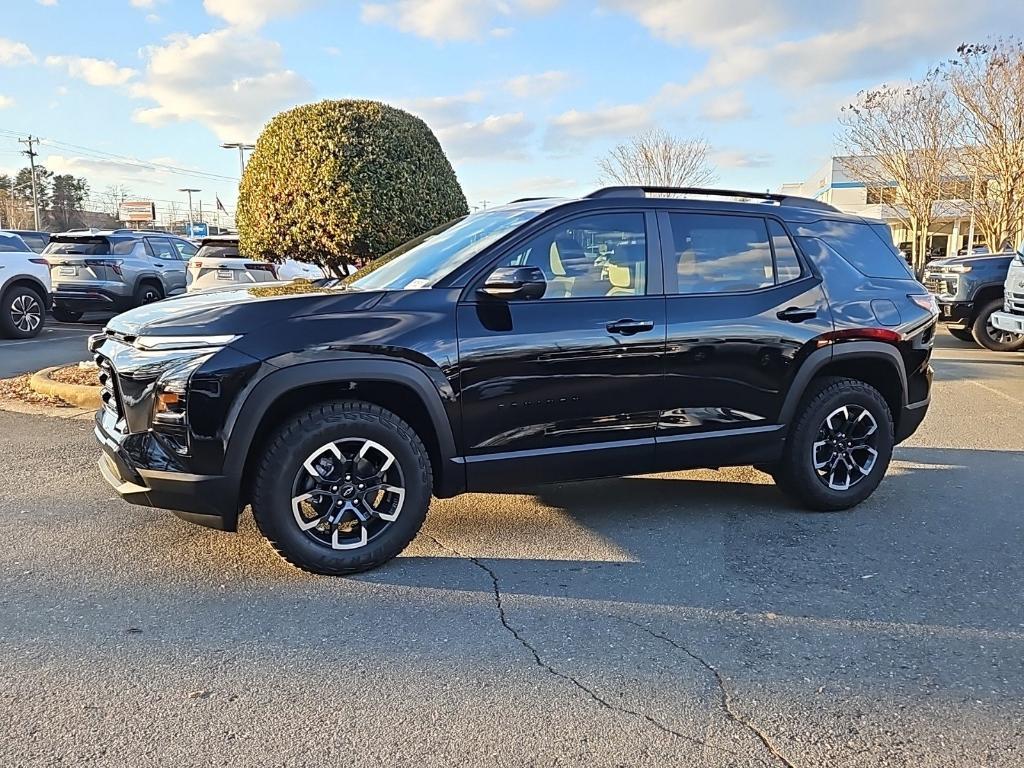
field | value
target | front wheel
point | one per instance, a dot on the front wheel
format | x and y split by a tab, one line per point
839	448
961	334
990	337
342	487
21	313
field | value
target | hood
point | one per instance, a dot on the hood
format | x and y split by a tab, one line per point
237	310
993	258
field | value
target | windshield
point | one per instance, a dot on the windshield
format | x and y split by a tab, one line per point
420	263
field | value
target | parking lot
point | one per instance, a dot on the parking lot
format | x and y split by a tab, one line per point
57	343
688	619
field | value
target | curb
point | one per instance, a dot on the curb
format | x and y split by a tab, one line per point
76	394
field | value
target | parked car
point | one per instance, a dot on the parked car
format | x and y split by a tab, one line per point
629	331
36	241
114	270
218	263
1011	318
968	291
24	288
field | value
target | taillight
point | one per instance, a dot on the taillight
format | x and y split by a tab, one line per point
44	262
114	264
864	334
197	264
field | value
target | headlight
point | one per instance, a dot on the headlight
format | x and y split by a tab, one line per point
166	343
170	393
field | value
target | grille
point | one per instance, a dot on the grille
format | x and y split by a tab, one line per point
108	381
1016	302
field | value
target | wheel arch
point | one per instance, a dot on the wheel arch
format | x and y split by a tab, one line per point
26	281
873	362
400	387
985	294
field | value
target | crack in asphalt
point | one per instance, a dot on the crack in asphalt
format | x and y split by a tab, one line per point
723	689
563	675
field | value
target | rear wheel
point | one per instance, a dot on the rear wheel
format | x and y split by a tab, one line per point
991	337
342	487
961	334
66	315
147	293
22	314
839	448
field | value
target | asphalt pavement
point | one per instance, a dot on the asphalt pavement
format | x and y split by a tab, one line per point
57	343
690	619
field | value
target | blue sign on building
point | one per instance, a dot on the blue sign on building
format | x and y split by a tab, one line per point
198	229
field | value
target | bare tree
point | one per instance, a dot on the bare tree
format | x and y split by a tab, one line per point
902	139
112	197
658	158
987	81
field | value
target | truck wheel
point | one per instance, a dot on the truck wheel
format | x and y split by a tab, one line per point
342	487
961	334
21	313
839	448
991	337
66	315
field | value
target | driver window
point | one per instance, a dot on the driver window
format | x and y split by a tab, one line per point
593	256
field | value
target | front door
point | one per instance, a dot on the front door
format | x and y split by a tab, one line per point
168	262
742	310
566	386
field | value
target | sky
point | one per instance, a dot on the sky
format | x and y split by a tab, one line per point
524	95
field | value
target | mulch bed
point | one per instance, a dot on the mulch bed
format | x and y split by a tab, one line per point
17	389
75	375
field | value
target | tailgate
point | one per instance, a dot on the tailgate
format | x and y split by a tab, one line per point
69	269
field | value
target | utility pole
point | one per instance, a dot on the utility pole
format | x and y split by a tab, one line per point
32	165
241	147
190	190
484	204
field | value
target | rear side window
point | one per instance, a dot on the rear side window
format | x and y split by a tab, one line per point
787	265
123	247
87	246
867	248
719	254
12	244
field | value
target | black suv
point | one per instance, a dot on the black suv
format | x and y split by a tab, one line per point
634	330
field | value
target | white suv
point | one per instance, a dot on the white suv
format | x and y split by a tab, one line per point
24	288
218	263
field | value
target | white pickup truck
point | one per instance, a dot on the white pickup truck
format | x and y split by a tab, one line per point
1012	317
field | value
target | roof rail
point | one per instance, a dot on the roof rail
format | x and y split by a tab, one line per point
772	197
527	199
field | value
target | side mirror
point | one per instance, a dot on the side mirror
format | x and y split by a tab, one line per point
509	283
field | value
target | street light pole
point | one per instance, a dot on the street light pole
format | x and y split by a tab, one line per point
241	147
190	190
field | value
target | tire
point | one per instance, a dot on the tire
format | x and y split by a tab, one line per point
66	315
22	313
283	484
992	338
147	293
796	474
962	334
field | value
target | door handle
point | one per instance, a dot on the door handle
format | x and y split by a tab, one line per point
628	327
159	265
796	314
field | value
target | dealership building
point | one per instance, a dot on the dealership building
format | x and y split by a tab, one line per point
833	183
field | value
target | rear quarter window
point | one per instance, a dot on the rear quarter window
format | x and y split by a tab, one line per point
868	249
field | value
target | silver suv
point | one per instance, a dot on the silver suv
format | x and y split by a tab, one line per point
114	270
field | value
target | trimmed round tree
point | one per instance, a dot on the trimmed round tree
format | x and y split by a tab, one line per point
342	181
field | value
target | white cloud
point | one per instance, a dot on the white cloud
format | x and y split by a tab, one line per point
496	136
540	86
442	111
707	23
143	3
445	20
6	101
47	2
574	128
253	14
737	158
730	105
229	80
13	53
93	71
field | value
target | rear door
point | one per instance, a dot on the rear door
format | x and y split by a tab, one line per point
169	263
566	386
742	311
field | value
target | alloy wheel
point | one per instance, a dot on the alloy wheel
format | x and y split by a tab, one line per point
26	313
1000	336
347	493
845	449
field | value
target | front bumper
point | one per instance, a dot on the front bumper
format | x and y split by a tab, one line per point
203	499
1007	321
956	313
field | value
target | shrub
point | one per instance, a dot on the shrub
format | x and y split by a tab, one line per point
338	181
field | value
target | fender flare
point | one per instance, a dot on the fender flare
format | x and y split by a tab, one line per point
847	350
284	380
